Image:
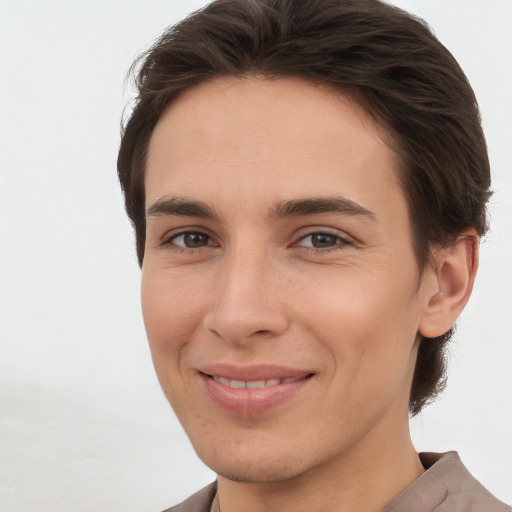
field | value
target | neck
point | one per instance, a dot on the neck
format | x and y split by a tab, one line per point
367	477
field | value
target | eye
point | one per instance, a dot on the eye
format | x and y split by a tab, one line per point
322	240
190	240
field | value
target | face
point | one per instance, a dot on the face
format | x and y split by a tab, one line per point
280	291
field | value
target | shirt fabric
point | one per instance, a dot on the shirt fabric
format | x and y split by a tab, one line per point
445	486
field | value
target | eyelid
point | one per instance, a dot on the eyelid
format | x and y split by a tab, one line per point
168	237
342	237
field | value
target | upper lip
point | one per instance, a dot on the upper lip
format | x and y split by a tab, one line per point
255	372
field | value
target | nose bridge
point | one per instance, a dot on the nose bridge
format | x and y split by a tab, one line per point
247	301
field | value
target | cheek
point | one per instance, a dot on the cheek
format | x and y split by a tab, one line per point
171	313
170	317
369	326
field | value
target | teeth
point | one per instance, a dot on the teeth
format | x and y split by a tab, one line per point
256	384
222	380
253	384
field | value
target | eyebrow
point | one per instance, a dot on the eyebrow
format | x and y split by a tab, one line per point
292	208
315	205
181	207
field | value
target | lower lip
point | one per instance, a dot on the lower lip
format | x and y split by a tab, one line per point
251	401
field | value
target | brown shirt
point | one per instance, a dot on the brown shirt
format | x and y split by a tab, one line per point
446	486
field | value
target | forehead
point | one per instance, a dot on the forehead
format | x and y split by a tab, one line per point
267	138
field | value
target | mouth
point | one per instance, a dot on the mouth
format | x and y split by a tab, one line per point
254	390
255	384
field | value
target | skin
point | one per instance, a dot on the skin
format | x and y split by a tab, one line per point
336	294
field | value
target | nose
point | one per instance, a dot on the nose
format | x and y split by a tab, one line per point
248	301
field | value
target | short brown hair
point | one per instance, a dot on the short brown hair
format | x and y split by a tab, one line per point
388	60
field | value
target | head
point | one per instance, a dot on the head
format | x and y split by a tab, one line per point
386	61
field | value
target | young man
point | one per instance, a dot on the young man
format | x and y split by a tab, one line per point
307	180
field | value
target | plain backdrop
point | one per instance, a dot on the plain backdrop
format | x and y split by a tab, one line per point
83	423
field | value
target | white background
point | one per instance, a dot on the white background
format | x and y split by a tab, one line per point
83	424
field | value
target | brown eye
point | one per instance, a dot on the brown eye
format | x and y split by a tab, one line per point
191	240
320	241
323	240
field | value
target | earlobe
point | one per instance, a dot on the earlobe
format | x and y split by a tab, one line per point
452	278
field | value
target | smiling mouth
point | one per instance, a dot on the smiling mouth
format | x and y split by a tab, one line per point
253	390
255	384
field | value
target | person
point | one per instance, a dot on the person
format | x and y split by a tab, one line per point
308	181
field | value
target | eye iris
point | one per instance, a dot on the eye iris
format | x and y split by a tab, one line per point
195	240
322	240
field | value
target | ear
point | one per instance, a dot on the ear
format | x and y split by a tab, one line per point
449	284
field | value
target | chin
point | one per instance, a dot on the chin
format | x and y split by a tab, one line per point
268	471
260	475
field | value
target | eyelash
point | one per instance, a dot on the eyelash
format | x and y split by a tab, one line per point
170	241
340	241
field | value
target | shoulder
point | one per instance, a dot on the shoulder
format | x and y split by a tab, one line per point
201	501
464	492
446	486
